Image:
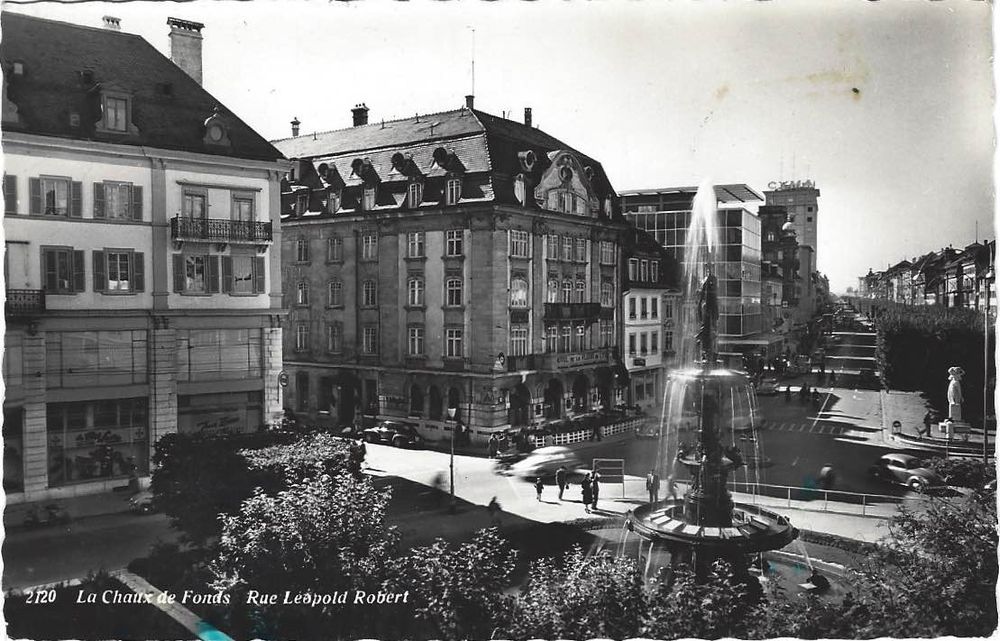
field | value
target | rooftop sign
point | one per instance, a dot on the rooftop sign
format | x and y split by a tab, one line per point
791	184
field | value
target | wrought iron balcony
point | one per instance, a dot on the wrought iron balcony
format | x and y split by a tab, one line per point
518	363
220	230
24	303
572	311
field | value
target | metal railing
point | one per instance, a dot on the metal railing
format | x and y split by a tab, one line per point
220	230
579	436
834	501
24	302
572	311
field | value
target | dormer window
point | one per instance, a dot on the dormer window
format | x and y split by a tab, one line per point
368	199
453	191
333	202
302	204
520	189
414	194
115	113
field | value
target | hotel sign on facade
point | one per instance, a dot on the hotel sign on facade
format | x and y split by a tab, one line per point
783	185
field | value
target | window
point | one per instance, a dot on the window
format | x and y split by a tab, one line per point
301	337
196	273
10	194
55	194
581	250
194	204
334	249
302	391
369	247
644	270
668	340
453	292
809	219
302	203
302	250
654	342
117	201
552	247
416	341
415	245
368	199
518	292
453	244
334	338
414	194
118	270
607	333
243	274
565	335
631	307
643	308
369	342
551	339
333	202
242	207
607	294
581	291
368	294
631	343
607	252
654	271
94	440
84	359
335	296
302	293
453	191
115	114
654	307
518	243
581	338
567	291
633	269
553	291
453	343
518	340
642	344
415	292
63	270
567	248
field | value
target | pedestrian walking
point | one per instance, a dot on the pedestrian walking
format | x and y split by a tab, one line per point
833	378
672	487
595	488
539	486
504	443
586	488
494	510
653	486
928	420
788	394
493	446
827	477
561	480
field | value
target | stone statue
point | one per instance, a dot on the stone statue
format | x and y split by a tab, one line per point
955	375
708	317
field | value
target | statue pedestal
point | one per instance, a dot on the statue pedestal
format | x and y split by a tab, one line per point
955	411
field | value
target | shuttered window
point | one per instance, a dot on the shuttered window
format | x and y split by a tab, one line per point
242	274
63	270
54	196
9	194
117	201
196	274
119	271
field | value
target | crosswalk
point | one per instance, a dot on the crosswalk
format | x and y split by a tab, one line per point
807	427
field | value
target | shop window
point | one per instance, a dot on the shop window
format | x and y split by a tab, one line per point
90	441
84	359
220	354
13	449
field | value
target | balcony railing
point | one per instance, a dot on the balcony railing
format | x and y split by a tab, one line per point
572	311
219	230
518	363
24	302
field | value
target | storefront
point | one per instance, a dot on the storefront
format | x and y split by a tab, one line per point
236	412
97	440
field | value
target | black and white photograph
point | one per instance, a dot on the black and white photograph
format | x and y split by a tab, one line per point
498	320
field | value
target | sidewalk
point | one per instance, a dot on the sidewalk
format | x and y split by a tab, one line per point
79	507
909	409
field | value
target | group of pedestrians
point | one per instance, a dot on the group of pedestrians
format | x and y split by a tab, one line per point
590	487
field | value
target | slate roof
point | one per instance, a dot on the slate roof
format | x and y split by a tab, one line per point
486	146
169	108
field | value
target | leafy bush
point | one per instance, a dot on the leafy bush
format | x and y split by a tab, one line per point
969	473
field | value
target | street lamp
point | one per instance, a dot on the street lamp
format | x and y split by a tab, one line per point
451	464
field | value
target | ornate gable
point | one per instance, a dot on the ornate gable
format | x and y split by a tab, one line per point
565	186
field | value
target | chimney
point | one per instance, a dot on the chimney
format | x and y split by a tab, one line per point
185	46
112	23
527	116
360	113
295	127
470	101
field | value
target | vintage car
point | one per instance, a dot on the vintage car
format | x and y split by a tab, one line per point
395	433
907	470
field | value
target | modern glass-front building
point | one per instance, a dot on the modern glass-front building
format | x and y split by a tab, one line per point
666	214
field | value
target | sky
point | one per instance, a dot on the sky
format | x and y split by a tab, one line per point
887	106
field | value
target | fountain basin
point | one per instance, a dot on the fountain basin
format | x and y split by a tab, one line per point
753	529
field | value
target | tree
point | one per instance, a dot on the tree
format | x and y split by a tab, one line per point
320	536
967	473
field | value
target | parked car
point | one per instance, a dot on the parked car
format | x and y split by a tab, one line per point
142	503
907	470
545	461
394	432
767	387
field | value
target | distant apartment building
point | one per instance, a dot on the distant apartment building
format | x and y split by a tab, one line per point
800	198
141	258
447	267
666	214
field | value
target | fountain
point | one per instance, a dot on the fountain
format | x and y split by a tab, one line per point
705	524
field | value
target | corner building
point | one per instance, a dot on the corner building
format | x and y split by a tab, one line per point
452	263
141	257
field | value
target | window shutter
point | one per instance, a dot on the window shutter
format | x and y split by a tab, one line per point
99	211
9	194
49	283
79	271
213	274
100	276
76	206
139	272
178	272
258	275
136	202
227	274
35	196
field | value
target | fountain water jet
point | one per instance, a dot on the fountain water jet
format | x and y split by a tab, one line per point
705	524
